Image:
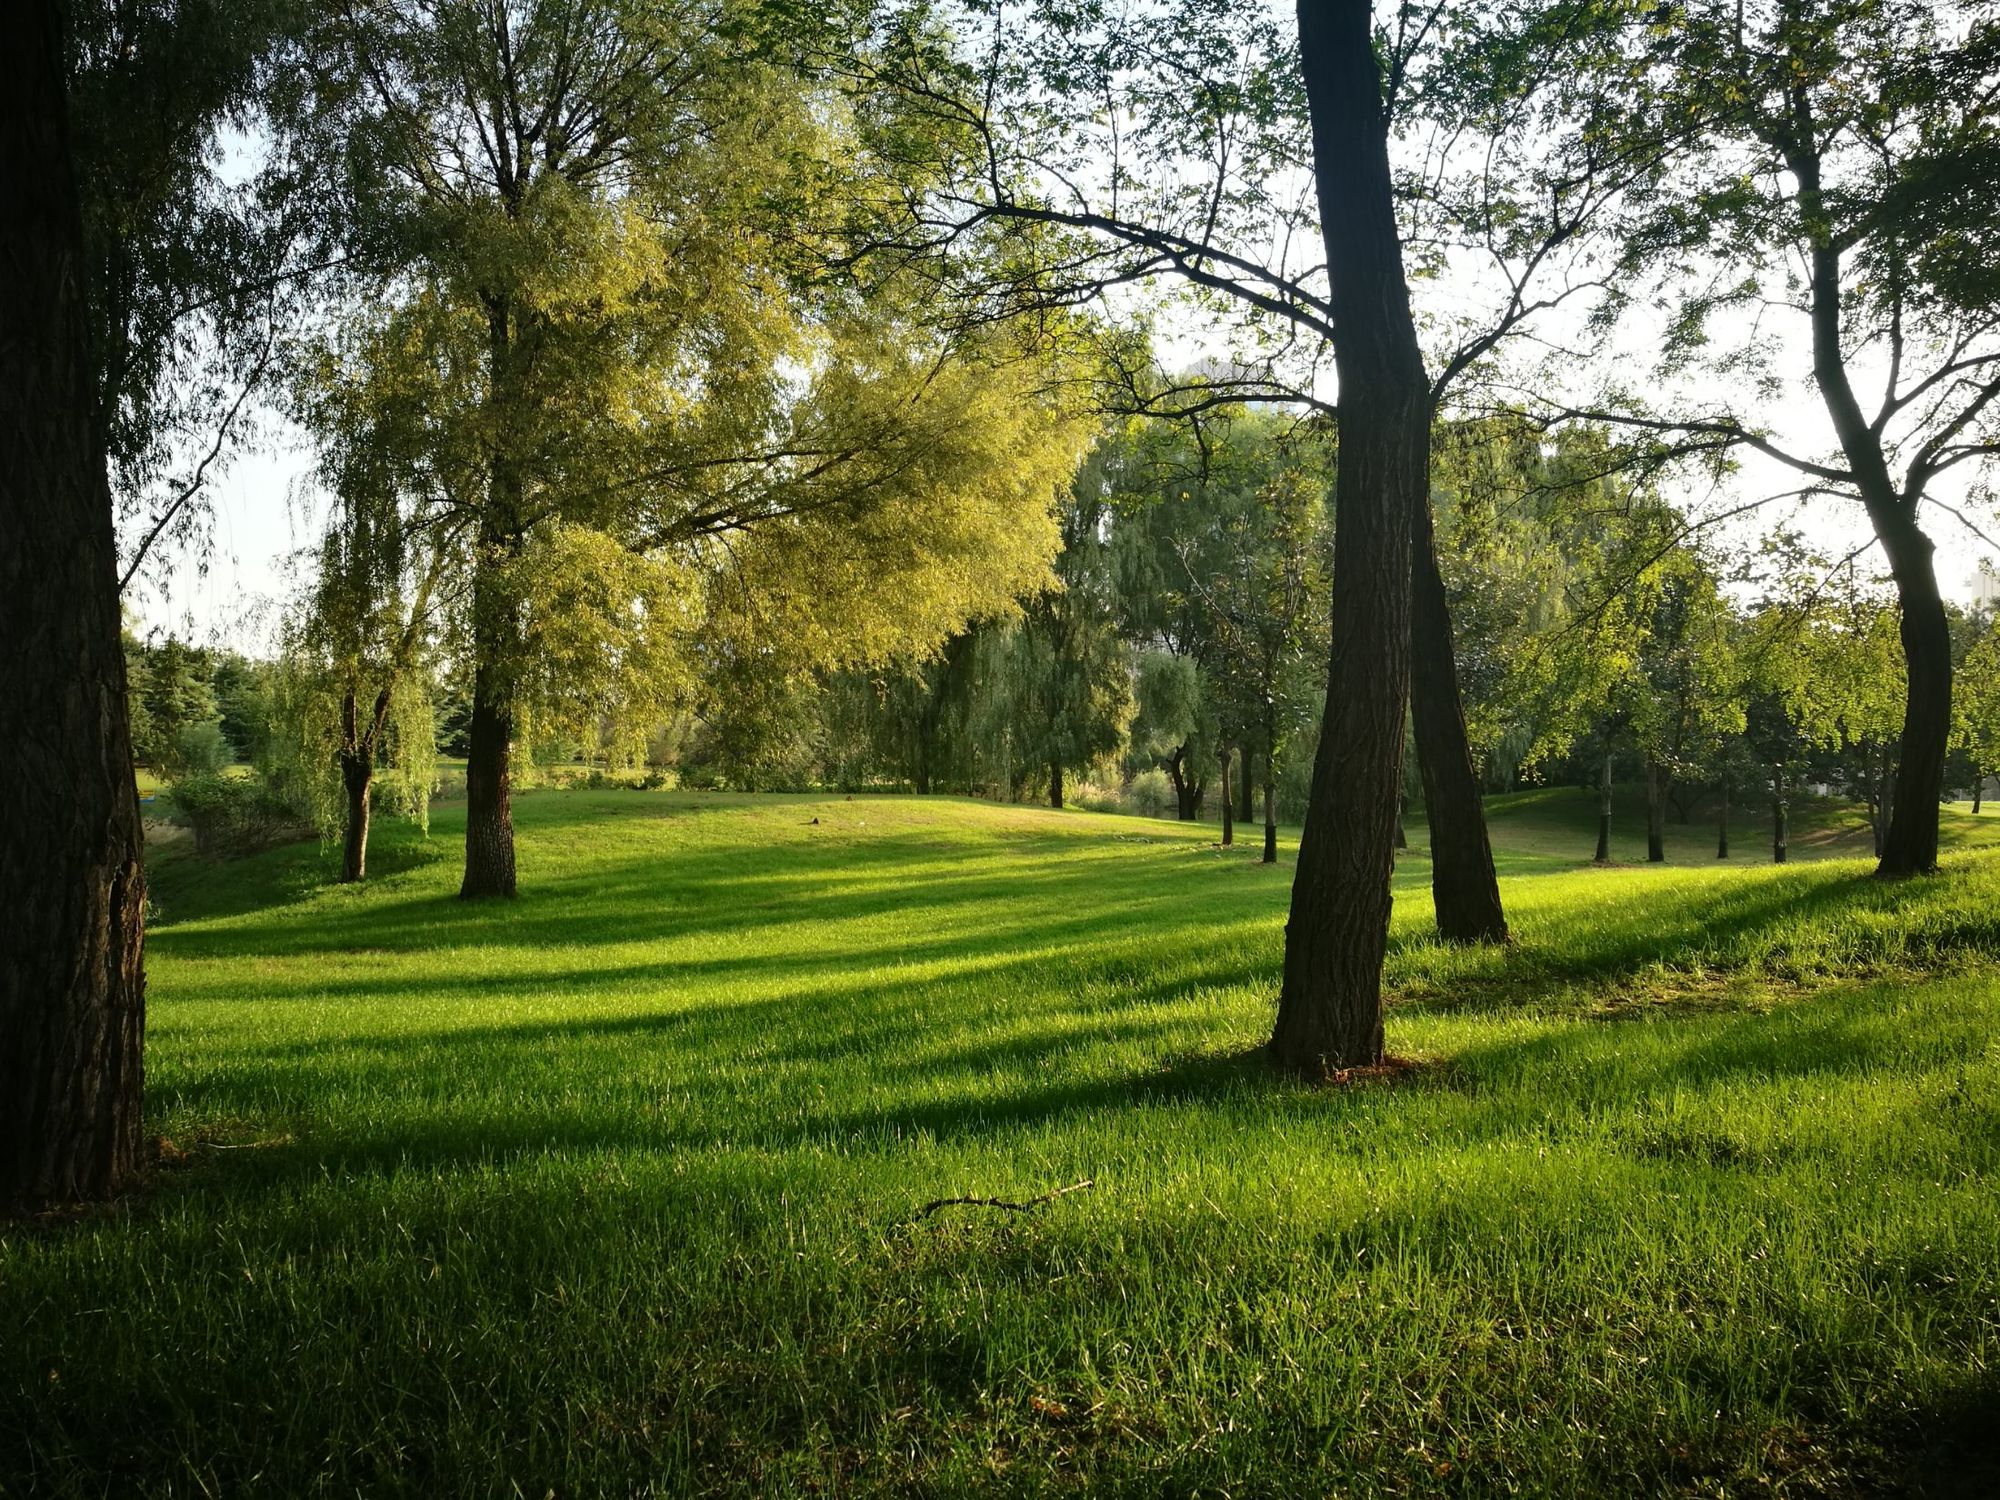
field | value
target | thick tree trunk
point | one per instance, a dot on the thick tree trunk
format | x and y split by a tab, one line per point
72	888
1722	825
1055	783
1330	1009
1781	850
489	785
1228	807
1603	855
1465	889
357	775
1656	814
489	807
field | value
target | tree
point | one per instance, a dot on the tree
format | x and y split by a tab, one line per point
598	317
353	679
72	981
1828	159
1330	1009
194	263
1071	698
1686	692
1977	705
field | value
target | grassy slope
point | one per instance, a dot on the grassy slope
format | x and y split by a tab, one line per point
613	1186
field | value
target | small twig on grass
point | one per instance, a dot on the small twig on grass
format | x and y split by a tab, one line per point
1026	1203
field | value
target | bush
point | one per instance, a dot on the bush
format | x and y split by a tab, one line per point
1151	794
237	814
1092	797
203	749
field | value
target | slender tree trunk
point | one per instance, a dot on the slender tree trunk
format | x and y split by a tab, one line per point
1402	833
1246	793
1978	788
357	775
72	887
1330	1009
1656	814
1780	817
1722	824
1228	807
1603	855
1055	783
1270	815
1465	888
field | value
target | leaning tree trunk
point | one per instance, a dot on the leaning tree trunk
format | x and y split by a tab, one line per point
1656	814
1330	1009
1465	889
72	888
1781	849
357	776
1722	824
1228	808
1603	856
1909	845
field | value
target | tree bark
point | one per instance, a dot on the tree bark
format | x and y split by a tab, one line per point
357	775
1270	815
1228	807
1780	818
489	781
1055	784
1656	814
1603	855
72	886
1330	1008
1722	825
1465	888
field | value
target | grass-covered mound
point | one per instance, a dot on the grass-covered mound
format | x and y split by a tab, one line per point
618	1187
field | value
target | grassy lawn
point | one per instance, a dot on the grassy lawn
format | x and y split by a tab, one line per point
617	1188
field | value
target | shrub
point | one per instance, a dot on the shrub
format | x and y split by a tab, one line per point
202	749
1151	794
1091	797
237	814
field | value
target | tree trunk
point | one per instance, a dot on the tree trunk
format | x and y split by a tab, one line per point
357	775
1246	793
1910	844
1055	784
1228	807
1603	855
1978	788
1780	818
489	810
1656	814
72	887
1465	889
1330	1008
1722	825
1270	816
489	786
1402	833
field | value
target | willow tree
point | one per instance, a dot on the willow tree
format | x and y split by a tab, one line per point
593	239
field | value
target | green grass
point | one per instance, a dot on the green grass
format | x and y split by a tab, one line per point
615	1188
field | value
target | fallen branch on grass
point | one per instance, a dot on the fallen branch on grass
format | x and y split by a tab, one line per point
1026	1203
